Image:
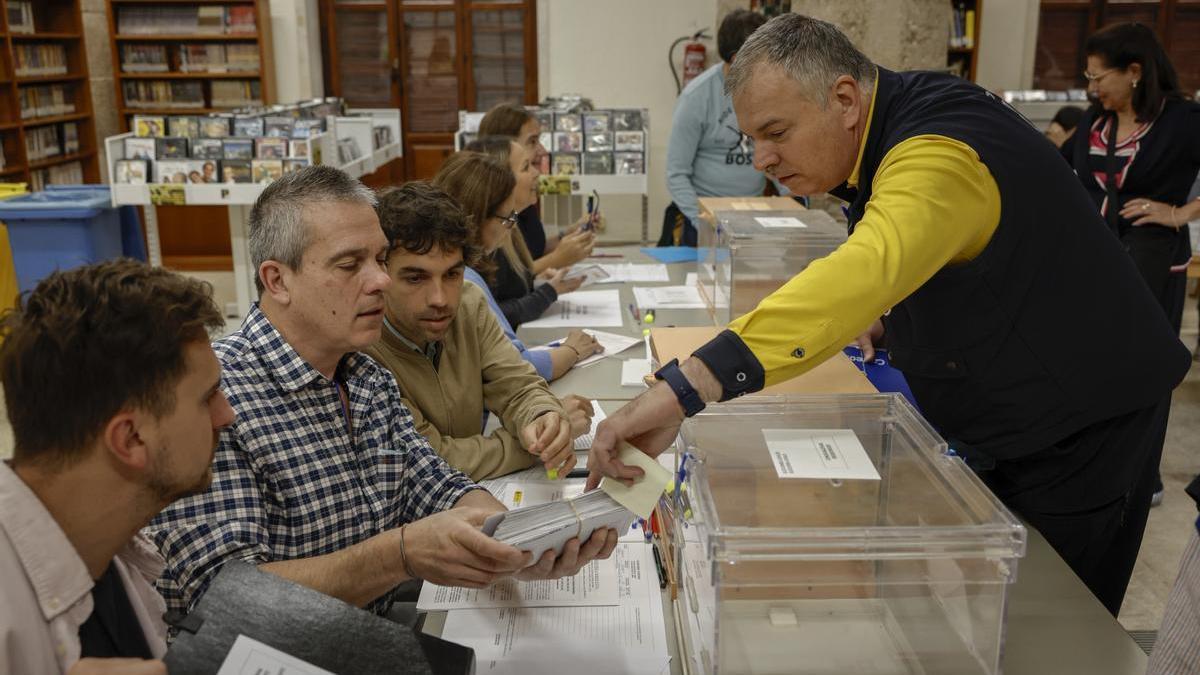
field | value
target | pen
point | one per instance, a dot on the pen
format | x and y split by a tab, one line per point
634	312
654	524
646	530
649	358
606	255
577	473
658	565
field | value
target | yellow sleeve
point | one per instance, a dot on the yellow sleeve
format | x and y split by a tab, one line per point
933	203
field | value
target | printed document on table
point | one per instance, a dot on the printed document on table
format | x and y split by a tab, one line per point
668	297
601	639
635	273
819	453
594	585
583	308
584	442
251	657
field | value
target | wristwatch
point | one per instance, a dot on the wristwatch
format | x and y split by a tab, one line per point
683	390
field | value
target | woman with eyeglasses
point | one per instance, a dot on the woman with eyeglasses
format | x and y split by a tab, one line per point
515	287
571	244
1137	151
485	188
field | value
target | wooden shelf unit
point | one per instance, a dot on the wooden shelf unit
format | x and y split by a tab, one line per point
58	23
962	61
172	42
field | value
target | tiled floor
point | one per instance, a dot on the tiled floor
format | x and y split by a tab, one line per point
1166	534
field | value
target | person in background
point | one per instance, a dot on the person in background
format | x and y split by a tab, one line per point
707	154
441	341
1063	125
1137	152
568	246
509	268
482	186
112	390
323	479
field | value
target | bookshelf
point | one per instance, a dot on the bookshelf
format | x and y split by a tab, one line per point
179	57
47	131
962	52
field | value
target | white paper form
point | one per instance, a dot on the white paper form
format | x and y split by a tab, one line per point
819	453
668	297
251	657
583	308
780	222
584	442
594	638
599	662
613	344
635	273
594	585
633	372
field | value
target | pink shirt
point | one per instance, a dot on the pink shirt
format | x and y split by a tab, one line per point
46	591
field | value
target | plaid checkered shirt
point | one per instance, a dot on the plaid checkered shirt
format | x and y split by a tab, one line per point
289	481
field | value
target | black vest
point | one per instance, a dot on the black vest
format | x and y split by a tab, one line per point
1050	329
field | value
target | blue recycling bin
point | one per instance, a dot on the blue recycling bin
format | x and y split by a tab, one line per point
66	226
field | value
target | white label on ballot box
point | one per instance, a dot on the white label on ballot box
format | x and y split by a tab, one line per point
251	657
780	222
819	453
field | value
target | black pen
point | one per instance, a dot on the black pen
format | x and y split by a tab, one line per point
658	565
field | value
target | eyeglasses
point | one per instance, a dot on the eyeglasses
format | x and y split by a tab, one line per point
509	221
1098	76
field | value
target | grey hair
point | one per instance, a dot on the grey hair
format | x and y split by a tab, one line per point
813	52
277	228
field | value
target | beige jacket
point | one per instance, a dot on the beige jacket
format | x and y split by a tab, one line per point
46	591
478	370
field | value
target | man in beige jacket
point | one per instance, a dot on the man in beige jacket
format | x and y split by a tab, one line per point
112	390
451	357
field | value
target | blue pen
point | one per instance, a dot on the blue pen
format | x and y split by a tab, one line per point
646	530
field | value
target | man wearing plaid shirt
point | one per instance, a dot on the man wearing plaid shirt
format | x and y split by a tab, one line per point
322	479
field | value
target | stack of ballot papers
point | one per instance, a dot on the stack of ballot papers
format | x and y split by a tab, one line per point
612	273
668	297
548	527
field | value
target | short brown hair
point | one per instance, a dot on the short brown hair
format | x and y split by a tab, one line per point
479	184
506	119
92	341
419	217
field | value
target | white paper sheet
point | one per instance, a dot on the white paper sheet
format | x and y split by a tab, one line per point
613	344
668	297
590	639
584	442
632	372
819	453
635	273
692	280
780	222
583	308
517	494
251	657
595	585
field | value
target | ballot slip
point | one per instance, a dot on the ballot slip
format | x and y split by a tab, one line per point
582	309
668	297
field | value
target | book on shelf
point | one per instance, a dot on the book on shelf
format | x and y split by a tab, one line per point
200	19
42	143
236	93
70	173
46	100
962	27
3	161
144	59
163	94
33	60
218	58
20	16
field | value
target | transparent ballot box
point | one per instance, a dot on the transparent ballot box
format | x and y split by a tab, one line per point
832	534
751	253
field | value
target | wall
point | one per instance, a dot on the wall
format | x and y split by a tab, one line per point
1007	44
296	37
615	52
100	70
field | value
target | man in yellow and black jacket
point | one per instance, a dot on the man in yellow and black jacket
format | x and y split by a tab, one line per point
1023	329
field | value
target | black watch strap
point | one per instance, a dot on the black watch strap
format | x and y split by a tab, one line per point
687	395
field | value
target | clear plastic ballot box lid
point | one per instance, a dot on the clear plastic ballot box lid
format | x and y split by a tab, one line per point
780	227
832	534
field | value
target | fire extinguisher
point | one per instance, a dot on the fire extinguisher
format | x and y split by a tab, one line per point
694	56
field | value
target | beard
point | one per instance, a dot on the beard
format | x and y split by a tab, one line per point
167	486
